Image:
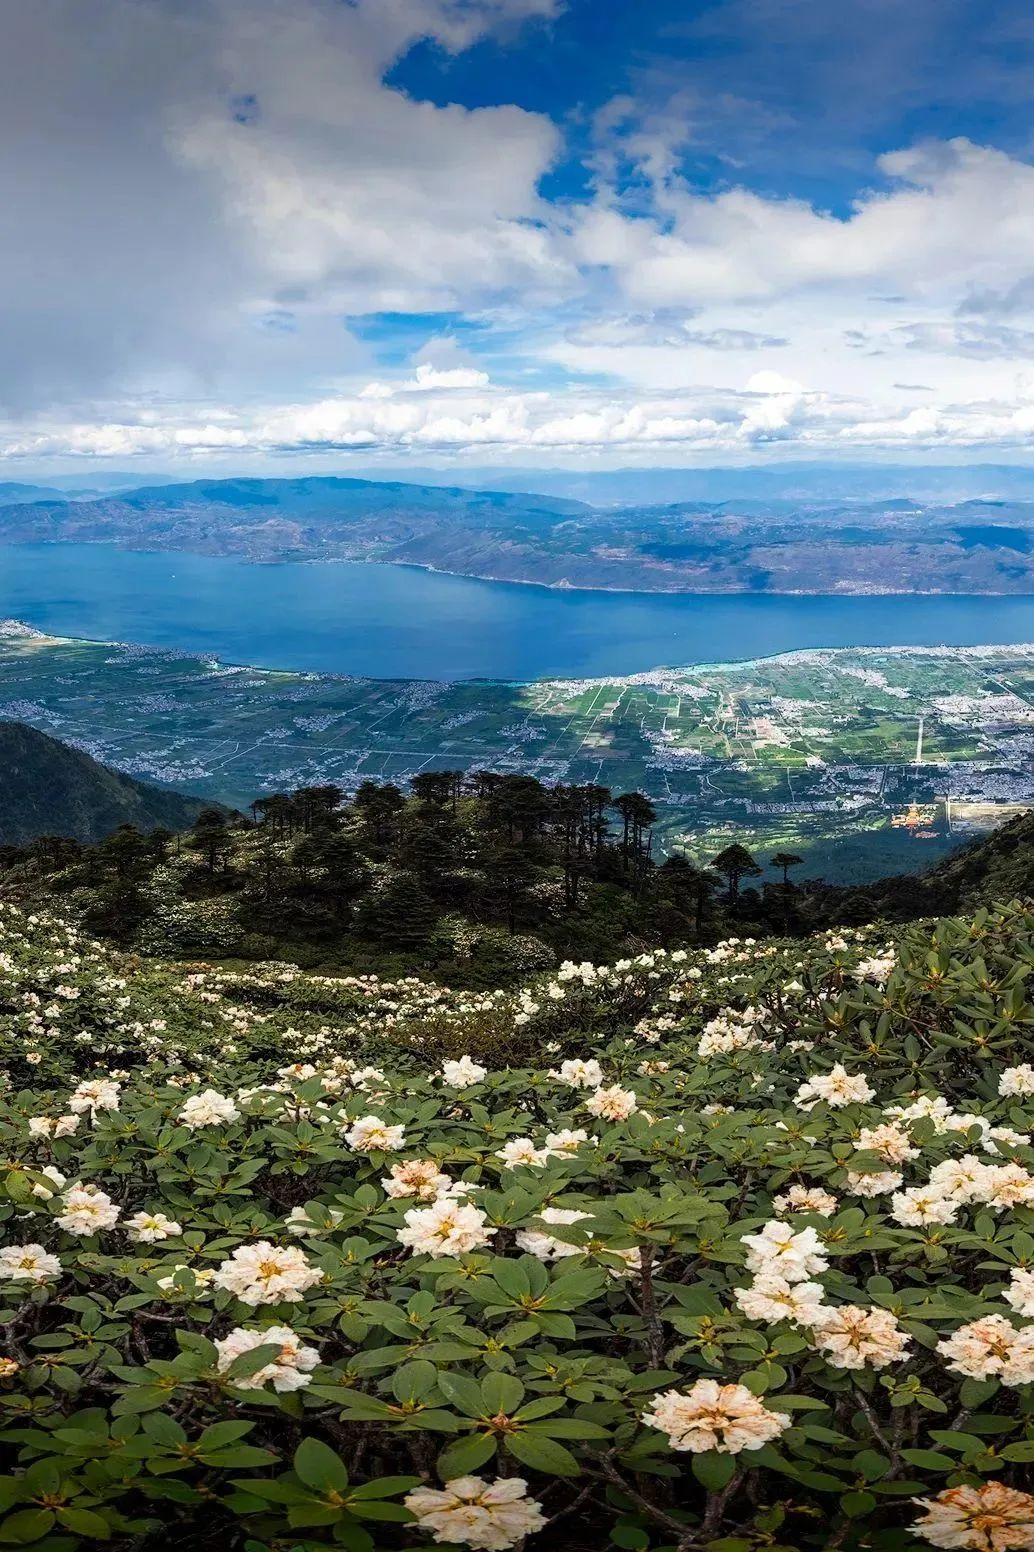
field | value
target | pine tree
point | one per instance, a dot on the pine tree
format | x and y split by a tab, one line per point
735	863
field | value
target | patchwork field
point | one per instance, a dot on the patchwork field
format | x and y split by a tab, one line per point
864	760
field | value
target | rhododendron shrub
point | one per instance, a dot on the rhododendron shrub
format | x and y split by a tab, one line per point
725	1250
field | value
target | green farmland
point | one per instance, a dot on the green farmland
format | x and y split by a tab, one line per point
864	761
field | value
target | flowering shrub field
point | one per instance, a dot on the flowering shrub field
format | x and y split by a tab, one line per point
725	1250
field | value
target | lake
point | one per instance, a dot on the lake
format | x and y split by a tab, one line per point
400	622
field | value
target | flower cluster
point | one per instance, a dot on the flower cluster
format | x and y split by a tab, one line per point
740	1237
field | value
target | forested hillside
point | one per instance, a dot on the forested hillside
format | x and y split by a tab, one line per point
478	880
49	788
999	866
475	879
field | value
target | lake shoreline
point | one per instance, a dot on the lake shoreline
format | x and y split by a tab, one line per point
562	587
395	622
642	676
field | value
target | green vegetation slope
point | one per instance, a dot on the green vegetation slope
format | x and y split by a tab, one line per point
49	788
999	866
709	1252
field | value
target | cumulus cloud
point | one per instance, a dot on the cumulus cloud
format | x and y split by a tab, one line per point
429	377
220	192
954	214
767	409
201	170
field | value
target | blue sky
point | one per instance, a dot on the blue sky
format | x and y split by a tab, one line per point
258	233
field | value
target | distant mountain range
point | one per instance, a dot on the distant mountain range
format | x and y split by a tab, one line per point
50	788
789	481
745	543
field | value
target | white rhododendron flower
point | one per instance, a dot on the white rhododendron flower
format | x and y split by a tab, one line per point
613	1104
447	1228
806	1199
54	1126
710	1416
989	1518
1020	1292
772	1298
967	1179
851	1337
264	1273
1017	1080
932	1107
94	1095
837	1088
1008	1185
463	1074
578	1074
546	1246
372	1135
521	1151
209	1108
920	1205
148	1228
991	1347
878	968
892	1142
876	1183
28	1263
781	1251
474	1513
86	1209
290	1370
565	1142
417	1177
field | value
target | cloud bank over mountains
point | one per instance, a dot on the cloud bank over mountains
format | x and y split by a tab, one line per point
236	228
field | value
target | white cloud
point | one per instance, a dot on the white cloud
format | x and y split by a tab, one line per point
201	169
429	377
957	215
769	409
216	186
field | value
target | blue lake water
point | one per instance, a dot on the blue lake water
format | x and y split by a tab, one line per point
393	621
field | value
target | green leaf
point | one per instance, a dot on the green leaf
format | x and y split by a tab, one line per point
542	1454
512	1278
319	1467
501	1393
251	1362
84	1522
1021	1451
414	1381
217	1435
43	1476
713	1471
383	1487
165	1430
27	1525
930	1460
567	1428
464	1456
464	1394
239	1455
631	1537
